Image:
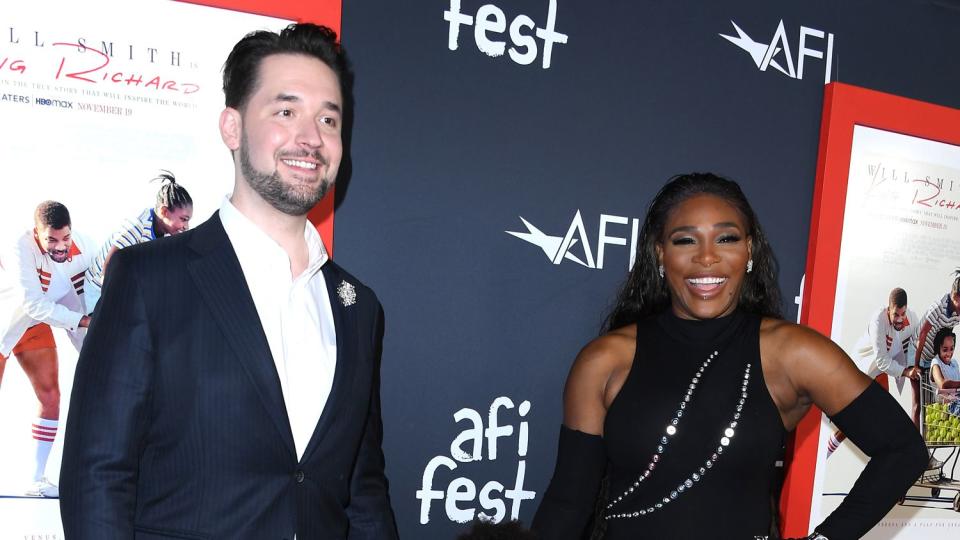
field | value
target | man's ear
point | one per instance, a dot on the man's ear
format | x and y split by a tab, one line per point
231	127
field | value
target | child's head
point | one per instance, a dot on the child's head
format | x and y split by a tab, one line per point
944	343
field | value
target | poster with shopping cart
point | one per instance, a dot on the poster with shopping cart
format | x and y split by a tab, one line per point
882	281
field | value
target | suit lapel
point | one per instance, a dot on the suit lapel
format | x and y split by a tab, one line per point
345	322
219	278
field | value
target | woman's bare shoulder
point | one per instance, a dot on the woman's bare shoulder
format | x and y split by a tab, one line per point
804	367
599	367
606	354
779	329
793	342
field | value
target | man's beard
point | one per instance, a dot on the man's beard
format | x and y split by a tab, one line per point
59	255
294	200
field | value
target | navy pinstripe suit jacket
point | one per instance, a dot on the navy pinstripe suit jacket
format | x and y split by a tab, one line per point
177	426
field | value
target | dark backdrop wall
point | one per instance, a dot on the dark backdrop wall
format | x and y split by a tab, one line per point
493	200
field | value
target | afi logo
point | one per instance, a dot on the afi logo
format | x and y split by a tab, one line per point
777	53
560	248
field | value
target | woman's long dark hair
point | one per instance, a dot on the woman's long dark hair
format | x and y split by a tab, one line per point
645	292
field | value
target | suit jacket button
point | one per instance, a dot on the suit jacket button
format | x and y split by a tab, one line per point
299	477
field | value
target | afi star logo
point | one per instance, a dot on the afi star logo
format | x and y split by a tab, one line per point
777	53
558	248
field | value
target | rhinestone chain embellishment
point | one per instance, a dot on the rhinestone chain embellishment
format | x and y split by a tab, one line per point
669	432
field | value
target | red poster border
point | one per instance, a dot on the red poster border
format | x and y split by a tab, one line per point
325	12
844	107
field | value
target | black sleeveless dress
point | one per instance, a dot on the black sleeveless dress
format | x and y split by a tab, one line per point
729	498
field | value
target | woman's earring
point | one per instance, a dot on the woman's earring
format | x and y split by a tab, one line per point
660	270
750	266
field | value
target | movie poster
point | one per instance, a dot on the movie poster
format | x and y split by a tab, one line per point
901	229
95	101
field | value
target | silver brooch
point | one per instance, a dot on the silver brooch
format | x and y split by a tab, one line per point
348	294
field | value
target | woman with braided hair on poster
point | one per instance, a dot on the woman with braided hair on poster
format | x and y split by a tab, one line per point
685	401
170	215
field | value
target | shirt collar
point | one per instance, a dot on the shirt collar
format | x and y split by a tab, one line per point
252	244
151	223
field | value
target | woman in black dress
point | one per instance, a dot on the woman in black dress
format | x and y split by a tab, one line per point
685	400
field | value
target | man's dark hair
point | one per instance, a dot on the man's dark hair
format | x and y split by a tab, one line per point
52	214
898	298
241	70
955	287
171	194
507	530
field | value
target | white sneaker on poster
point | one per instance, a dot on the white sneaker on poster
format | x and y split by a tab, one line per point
43	488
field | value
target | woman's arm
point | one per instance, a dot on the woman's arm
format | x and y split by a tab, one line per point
818	372
569	501
921	339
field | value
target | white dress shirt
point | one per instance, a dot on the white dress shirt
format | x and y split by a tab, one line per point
296	316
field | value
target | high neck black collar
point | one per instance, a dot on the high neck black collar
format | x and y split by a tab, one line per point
703	330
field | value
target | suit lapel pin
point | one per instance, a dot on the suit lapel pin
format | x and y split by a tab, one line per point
348	295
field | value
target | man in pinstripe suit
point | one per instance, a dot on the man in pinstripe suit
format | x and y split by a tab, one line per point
229	387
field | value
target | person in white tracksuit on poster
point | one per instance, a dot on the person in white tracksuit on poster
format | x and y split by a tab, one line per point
41	287
886	348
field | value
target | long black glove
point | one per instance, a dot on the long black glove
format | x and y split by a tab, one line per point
568	503
877	424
